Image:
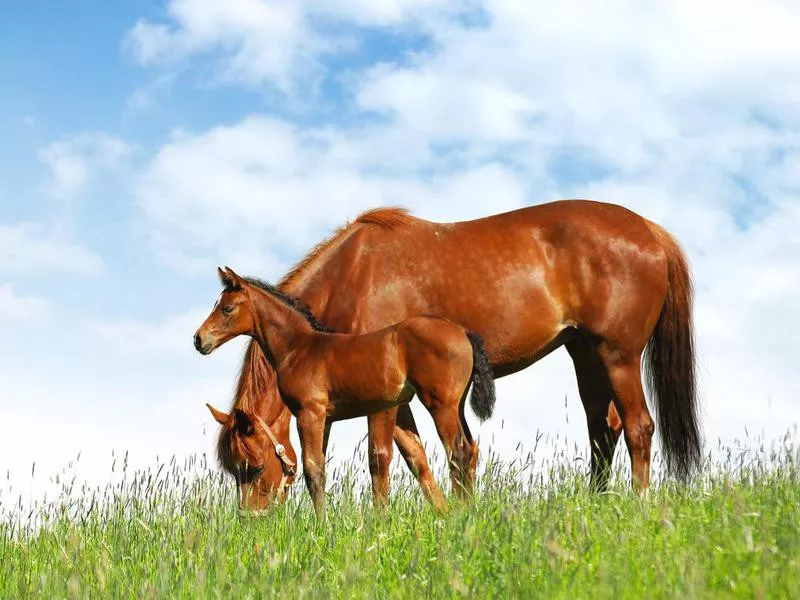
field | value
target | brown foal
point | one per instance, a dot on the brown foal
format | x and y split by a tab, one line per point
324	377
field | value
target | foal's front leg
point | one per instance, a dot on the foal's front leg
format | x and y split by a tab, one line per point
380	429
311	429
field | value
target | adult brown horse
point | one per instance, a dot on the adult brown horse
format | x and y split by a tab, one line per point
601	280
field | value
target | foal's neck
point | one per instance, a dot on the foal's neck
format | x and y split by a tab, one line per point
278	327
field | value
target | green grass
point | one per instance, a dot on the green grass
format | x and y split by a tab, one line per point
735	533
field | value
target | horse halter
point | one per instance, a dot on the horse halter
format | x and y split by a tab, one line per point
287	466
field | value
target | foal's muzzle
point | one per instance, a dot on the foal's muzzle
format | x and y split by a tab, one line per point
200	347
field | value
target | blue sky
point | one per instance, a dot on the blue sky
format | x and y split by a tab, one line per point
146	142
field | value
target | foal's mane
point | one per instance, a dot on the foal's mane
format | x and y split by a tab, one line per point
291	301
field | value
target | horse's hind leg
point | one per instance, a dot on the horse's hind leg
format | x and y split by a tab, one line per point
472	451
325	437
407	439
602	419
625	374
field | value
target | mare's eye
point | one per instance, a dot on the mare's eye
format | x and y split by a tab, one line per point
249	473
226	310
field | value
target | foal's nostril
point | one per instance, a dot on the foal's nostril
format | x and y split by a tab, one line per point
197	344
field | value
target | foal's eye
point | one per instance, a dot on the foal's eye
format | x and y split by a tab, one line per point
226	310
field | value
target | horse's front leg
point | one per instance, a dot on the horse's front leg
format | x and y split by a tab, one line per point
311	429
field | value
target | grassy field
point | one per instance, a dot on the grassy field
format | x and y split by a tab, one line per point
735	533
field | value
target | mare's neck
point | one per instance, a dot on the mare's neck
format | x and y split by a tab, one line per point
256	389
275	413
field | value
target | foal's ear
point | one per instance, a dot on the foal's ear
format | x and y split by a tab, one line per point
229	280
219	416
244	424
223	276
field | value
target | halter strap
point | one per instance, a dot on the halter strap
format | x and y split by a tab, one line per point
287	466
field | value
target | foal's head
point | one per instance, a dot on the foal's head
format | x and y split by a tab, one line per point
247	452
232	314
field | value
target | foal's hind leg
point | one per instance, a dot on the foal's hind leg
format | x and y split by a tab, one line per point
407	439
458	445
602	419
399	423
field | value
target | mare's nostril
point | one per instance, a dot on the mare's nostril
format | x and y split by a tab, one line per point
197	344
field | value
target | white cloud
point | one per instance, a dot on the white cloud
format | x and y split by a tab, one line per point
19	307
147	96
283	43
150	42
465	108
390	13
35	247
622	84
265	40
263	188
75	160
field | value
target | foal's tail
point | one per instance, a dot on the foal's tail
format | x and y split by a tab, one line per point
670	359
483	395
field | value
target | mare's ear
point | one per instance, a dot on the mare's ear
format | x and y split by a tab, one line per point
244	424
219	416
